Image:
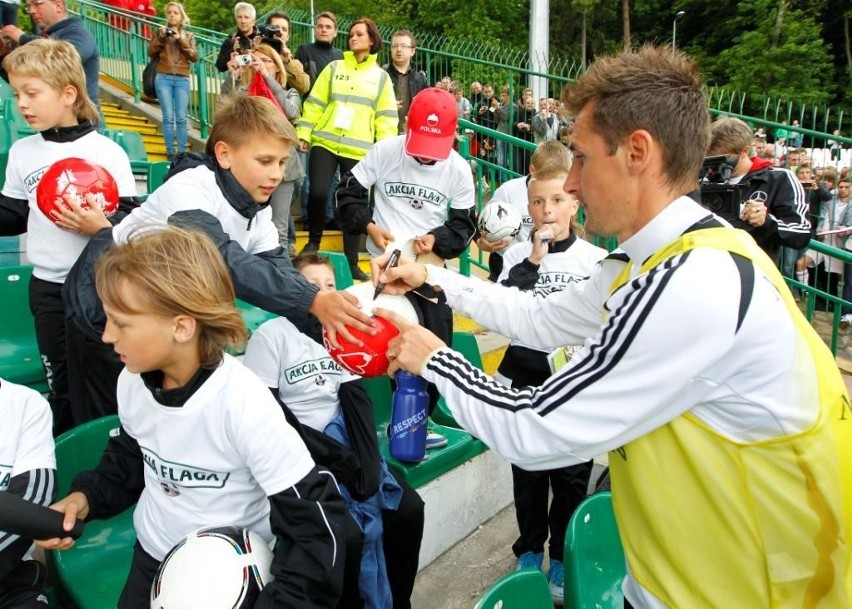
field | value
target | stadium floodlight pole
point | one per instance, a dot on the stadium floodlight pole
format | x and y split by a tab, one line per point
677	18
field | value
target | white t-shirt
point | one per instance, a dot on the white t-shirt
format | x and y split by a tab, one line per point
213	461
557	270
307	378
411	199
196	188
26	443
53	250
514	193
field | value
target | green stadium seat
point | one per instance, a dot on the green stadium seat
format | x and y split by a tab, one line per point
342	272
92	574
525	589
20	361
594	558
13	118
461	446
13	251
156	172
132	143
8	136
465	343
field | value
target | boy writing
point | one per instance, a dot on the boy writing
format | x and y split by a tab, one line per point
50	87
187	406
335	416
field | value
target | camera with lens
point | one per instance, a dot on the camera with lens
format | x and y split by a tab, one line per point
244	60
717	193
269	31
168	31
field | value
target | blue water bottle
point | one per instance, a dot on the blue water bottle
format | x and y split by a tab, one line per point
408	417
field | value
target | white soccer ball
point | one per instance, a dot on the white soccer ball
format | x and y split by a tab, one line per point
499	220
392	302
213	568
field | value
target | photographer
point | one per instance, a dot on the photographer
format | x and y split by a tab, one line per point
174	48
277	27
774	208
242	41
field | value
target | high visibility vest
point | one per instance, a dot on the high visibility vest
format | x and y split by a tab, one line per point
350	107
707	522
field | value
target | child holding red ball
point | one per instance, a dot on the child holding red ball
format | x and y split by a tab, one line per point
50	86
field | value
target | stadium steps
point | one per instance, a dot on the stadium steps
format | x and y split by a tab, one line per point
118	118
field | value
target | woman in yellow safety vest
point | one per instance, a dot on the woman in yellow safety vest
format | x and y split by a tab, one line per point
351	106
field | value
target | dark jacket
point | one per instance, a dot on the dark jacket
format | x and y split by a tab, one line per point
316	56
72	30
416	83
786	220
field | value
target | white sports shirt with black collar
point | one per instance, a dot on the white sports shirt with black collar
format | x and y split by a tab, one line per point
411	198
304	373
214	460
53	250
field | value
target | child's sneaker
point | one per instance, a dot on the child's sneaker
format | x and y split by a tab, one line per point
556	578
435	440
530	560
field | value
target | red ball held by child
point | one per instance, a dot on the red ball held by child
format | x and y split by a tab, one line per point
75	178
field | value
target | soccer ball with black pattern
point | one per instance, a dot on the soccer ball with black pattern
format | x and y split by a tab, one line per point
499	221
213	568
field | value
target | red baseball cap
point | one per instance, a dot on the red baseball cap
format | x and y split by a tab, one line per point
432	121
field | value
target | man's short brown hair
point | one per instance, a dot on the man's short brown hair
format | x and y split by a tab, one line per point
653	88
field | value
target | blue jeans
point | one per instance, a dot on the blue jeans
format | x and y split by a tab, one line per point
173	93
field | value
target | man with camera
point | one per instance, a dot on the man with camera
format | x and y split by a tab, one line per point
771	202
242	41
276	32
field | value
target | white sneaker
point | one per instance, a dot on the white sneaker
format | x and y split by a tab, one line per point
846	320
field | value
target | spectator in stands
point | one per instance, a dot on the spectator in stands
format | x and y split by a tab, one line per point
279	24
830	229
835	146
796	138
316	55
717	399
475	94
52	17
241	41
502	114
174	48
545	123
268	65
334	415
486	115
407	82
844	198
775	212
351	106
782	133
792	158
9	12
462	103
523	130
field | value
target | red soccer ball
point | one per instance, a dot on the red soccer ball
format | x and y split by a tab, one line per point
75	177
370	359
